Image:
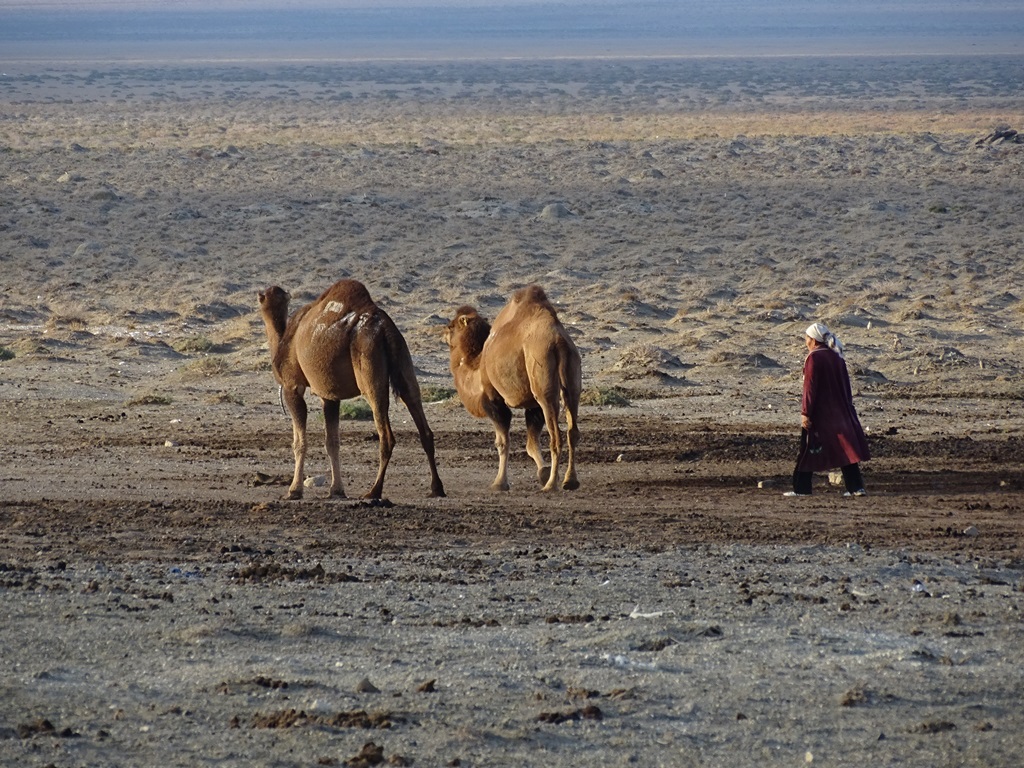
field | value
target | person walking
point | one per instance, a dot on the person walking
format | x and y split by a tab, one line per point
831	435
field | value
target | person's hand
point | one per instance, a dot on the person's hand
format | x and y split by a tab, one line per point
805	421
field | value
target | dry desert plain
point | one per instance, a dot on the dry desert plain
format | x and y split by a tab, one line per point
161	603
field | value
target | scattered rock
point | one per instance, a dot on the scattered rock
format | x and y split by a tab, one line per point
35	728
262	478
1002	135
556	211
88	248
365	686
589	712
370	754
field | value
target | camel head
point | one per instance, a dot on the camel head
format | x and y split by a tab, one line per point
467	333
274	301
274	308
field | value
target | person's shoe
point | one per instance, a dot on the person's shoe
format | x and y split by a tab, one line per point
858	492
794	493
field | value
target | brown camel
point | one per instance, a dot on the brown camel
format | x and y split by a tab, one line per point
340	346
527	360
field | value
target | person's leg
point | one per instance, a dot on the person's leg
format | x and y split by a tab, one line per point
802	483
853	478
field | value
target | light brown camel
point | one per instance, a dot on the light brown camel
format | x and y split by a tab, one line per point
527	360
340	346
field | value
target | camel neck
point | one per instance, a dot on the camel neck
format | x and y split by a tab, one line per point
275	326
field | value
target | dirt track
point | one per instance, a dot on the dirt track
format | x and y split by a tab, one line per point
675	485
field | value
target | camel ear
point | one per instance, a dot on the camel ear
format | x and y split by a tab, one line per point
261	296
464	320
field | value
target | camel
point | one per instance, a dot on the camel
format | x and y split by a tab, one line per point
342	345
527	360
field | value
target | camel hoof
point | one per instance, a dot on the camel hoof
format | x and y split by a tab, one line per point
293	495
437	493
337	495
544	475
571	485
499	487
376	501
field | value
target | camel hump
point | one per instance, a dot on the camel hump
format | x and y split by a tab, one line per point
532	294
528	304
351	294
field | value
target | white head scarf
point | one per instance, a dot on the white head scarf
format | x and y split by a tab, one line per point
820	333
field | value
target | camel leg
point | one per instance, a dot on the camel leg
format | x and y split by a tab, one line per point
293	397
386	440
534	427
551	420
572	434
332	411
501	416
427	441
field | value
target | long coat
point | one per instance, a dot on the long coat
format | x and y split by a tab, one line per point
836	437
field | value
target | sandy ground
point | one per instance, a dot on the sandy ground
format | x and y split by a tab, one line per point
163	605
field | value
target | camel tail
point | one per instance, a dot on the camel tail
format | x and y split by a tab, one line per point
401	373
570	376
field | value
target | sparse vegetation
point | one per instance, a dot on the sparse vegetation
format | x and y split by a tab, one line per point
604	396
356	409
151	398
194	344
67	322
6	354
205	367
433	393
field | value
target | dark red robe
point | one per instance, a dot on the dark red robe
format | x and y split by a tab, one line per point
836	437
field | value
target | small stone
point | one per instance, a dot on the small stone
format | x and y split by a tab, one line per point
365	686
170	444
556	211
315	482
971	531
765	483
835	478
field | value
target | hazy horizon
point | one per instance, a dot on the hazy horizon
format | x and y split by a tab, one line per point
276	29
